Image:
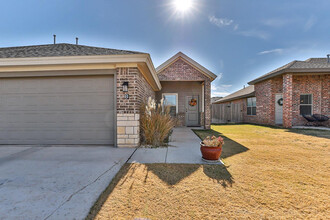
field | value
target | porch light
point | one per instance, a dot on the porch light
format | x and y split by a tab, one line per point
125	87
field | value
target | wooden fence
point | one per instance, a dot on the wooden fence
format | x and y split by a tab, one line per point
227	113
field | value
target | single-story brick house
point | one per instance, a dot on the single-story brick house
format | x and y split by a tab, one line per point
282	96
61	94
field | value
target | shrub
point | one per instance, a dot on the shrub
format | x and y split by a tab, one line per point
156	123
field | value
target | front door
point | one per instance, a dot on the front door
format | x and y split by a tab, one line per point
191	106
278	109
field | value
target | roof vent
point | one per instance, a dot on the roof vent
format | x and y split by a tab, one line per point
54	38
328	58
77	40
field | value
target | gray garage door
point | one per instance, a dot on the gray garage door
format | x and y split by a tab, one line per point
57	110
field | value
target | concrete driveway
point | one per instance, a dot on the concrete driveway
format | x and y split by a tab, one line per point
55	182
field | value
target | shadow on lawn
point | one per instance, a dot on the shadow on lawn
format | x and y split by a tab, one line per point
171	174
230	147
311	132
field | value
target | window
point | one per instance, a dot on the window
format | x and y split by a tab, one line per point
171	100
251	106
306	104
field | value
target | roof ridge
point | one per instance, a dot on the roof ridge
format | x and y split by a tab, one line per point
290	65
27	46
75	45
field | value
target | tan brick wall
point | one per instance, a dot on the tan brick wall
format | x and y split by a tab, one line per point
128	110
128	130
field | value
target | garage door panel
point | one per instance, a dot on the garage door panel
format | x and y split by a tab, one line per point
57	110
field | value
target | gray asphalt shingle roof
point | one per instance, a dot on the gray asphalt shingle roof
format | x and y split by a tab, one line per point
243	93
55	50
314	64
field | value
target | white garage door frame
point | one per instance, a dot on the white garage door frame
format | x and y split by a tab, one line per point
59	73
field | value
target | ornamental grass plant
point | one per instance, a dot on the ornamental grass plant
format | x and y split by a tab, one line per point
156	123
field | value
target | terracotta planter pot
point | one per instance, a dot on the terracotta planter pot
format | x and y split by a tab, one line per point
211	153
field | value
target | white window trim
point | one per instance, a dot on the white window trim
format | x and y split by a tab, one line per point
306	104
176	100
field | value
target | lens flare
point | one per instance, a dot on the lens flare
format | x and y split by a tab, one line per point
183	5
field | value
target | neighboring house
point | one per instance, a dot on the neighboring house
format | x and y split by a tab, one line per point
282	96
214	99
62	94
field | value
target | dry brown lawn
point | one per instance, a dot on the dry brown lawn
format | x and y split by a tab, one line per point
270	173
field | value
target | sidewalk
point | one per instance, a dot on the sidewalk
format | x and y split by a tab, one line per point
183	147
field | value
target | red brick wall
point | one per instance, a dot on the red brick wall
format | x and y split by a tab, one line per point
291	86
265	94
180	70
318	86
325	106
138	90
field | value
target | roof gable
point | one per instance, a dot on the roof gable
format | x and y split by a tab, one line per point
188	60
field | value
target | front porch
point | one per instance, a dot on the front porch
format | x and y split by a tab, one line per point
186	85
186	100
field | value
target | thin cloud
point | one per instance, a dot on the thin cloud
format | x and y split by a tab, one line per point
310	23
255	33
218	89
220	22
219	94
276	22
278	50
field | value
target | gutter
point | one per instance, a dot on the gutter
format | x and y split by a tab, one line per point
97	59
293	71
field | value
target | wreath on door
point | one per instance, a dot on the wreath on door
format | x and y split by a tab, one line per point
280	102
193	102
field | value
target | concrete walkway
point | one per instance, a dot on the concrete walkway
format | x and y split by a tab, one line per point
184	147
312	128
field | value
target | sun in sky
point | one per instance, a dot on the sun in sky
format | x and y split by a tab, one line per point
183	5
183	8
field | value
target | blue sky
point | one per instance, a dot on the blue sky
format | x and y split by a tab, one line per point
238	40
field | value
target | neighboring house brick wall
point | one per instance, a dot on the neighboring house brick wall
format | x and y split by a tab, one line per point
263	93
325	107
183	71
287	100
318	86
291	86
128	110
